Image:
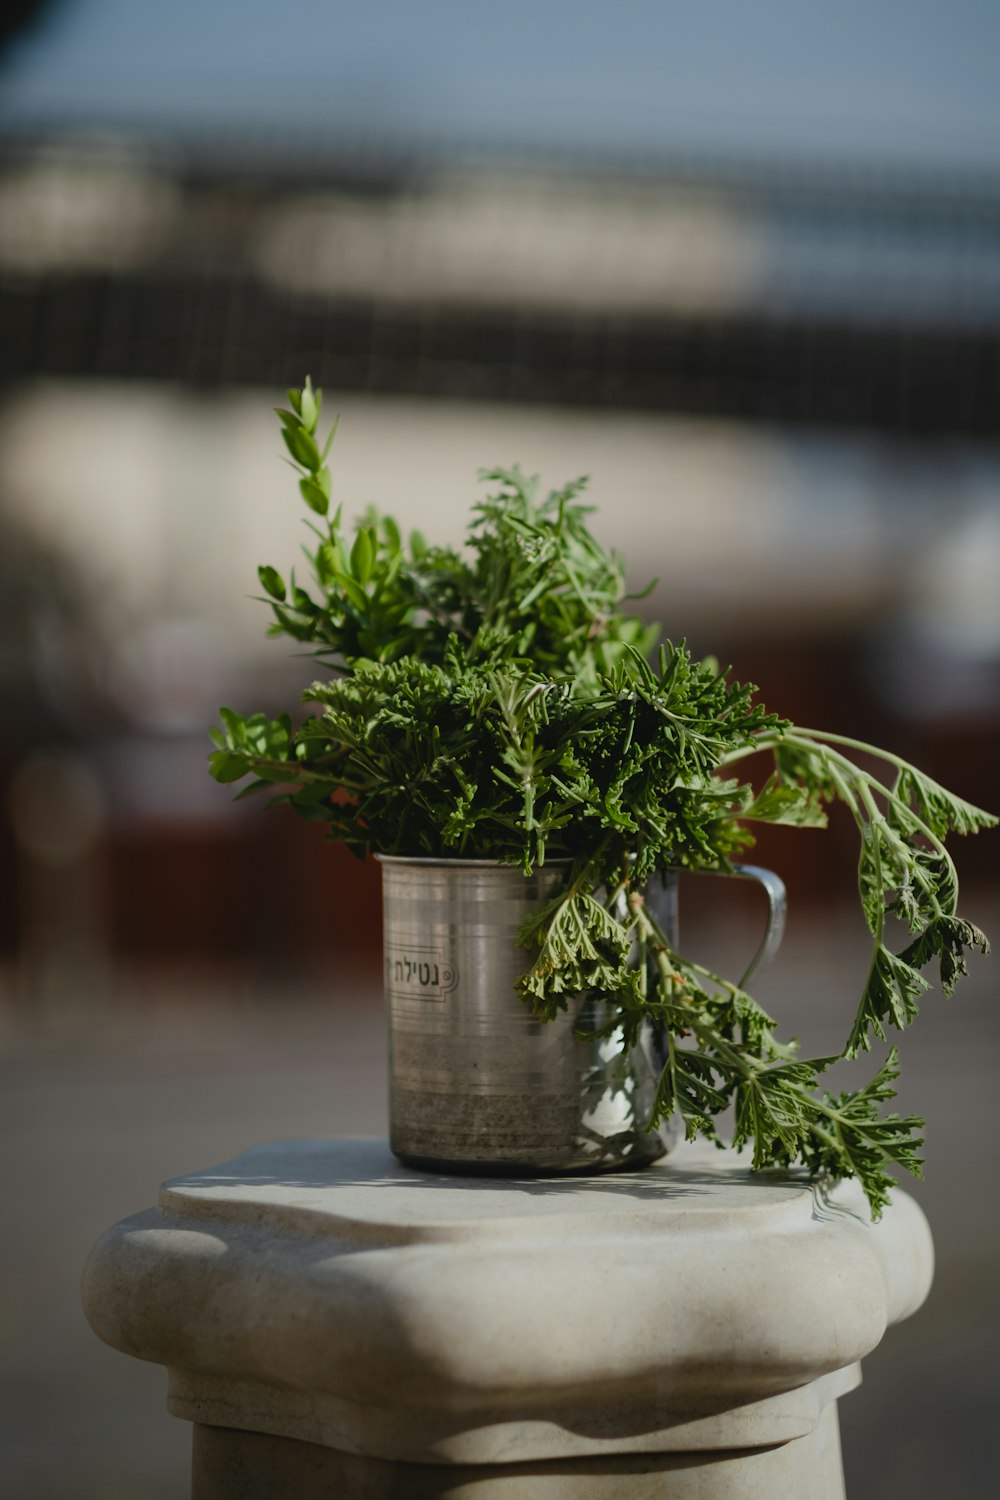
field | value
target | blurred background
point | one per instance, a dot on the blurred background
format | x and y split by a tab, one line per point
741	265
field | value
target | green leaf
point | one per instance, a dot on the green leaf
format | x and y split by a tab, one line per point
235	726
327	564
948	939
329	439
770	1112
302	447
287	624
852	1138
309	403
314	495
940	809
363	556
354	592
689	1087
272	582
581	948
226	766
248	791
391	533
795	806
890	997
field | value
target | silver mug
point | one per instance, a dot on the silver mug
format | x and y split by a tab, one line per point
476	1082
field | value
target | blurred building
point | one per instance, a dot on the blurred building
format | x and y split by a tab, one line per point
783	377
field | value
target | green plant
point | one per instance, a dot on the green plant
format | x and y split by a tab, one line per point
498	704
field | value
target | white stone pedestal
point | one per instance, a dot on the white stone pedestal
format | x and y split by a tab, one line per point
339	1327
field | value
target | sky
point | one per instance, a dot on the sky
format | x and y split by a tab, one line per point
909	82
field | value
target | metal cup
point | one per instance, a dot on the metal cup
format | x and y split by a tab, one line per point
477	1083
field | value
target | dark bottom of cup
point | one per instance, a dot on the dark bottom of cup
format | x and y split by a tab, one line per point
453	1168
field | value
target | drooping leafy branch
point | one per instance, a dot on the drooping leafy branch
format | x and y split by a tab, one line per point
904	870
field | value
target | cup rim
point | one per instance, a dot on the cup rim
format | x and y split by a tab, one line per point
442	862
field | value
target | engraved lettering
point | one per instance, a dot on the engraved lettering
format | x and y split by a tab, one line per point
421	971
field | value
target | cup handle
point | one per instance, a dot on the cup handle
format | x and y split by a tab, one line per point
663	903
777	911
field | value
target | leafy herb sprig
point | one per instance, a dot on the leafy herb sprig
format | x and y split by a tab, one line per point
497	703
533	584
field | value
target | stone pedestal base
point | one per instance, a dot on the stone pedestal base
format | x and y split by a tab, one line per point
340	1327
231	1465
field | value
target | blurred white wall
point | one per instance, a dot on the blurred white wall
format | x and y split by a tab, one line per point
167	501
